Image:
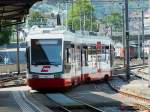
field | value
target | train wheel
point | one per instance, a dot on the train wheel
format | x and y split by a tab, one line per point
106	77
88	80
73	84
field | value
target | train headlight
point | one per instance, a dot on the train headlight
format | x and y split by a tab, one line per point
57	76
35	76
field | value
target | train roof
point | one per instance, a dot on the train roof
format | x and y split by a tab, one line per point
46	33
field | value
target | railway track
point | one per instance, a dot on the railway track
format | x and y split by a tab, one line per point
120	70
143	102
13	76
12	81
142	72
131	67
79	107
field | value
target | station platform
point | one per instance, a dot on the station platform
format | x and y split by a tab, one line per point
17	99
7	102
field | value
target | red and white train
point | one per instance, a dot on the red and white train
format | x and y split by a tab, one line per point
61	59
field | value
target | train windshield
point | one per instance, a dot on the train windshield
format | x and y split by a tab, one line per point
46	52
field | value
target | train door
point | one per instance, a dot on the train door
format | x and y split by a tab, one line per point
111	50
84	62
72	62
106	60
73	65
67	60
92	58
98	53
105	57
77	57
28	59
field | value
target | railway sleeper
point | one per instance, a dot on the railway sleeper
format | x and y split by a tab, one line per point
135	96
141	106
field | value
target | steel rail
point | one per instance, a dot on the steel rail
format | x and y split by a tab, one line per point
57	107
73	108
141	98
140	76
120	70
141	107
94	109
131	67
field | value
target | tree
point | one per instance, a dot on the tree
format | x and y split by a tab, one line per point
36	18
5	32
80	14
115	20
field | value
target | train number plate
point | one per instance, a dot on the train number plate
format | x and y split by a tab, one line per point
46	76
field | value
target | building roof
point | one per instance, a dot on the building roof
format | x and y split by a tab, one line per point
15	9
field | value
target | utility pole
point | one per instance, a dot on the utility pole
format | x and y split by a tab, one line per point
72	27
127	41
84	15
66	15
91	17
143	35
123	33
18	62
139	46
81	19
111	33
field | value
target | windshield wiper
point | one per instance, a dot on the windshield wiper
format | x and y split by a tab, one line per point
54	63
46	63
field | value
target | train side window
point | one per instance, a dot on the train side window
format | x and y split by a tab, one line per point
72	45
67	60
28	56
72	53
85	55
94	54
89	56
106	49
67	55
105	53
78	57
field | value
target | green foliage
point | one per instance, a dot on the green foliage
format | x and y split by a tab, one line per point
36	18
81	9
115	20
5	32
5	37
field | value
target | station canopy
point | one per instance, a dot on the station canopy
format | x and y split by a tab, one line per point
15	10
